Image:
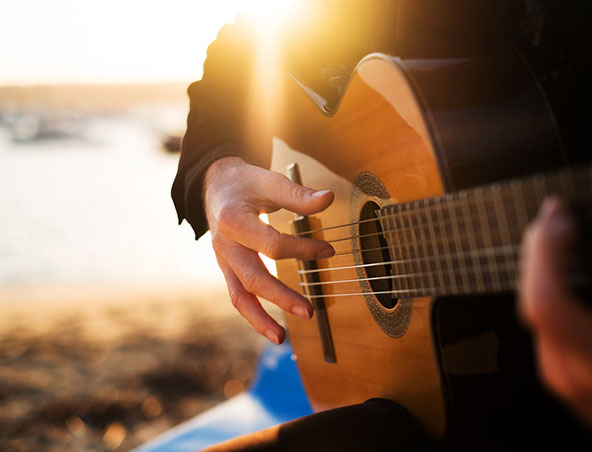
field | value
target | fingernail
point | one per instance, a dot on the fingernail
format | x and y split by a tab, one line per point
301	312
318	194
325	253
272	336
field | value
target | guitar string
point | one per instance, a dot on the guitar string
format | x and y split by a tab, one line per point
505	249
455	270
414	293
354	251
462	221
509	284
508	267
426	203
450	290
399	246
405	215
400	214
448	200
505	266
312	231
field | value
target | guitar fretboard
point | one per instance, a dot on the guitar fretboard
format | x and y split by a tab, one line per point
468	242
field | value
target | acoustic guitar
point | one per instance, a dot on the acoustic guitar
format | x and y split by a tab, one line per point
438	166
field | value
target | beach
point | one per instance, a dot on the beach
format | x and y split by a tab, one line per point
109	368
115	324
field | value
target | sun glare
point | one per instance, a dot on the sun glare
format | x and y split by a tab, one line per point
267	12
109	41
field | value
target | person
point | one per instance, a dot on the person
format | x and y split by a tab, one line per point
222	181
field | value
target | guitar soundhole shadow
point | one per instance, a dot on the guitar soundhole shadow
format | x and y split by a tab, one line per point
374	250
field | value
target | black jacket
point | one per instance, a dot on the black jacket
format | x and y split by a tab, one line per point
323	44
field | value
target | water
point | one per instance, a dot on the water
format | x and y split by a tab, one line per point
96	209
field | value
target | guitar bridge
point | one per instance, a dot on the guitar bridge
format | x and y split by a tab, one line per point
313	291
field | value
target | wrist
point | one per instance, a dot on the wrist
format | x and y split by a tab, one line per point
217	169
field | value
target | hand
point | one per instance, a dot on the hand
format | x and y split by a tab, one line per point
235	194
562	326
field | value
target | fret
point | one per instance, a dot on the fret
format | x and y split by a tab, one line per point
459	249
520	204
485	236
414	249
435	248
398	221
504	230
469	241
446	247
415	267
424	245
394	255
472	241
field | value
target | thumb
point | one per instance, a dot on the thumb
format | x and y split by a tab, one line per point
297	198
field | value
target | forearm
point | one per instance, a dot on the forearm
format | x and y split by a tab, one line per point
216	121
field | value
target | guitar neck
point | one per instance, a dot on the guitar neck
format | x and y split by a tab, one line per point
468	242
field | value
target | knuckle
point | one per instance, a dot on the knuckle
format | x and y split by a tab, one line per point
296	191
274	246
273	250
250	281
237	300
217	243
226	219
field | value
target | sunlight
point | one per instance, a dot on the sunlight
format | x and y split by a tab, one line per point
268	12
109	41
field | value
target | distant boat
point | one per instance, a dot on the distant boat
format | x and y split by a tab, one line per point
38	126
171	143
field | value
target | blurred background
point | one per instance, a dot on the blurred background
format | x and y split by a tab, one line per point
114	323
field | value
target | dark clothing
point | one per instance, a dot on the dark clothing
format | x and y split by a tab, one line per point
377	425
323	46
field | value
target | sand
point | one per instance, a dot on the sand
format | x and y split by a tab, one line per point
107	368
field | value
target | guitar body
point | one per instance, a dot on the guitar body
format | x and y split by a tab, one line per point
404	131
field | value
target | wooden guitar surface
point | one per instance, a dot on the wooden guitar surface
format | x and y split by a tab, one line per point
403	131
380	129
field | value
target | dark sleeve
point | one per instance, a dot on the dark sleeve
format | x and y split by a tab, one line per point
216	120
328	39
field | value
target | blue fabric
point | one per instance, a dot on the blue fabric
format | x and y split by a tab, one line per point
276	396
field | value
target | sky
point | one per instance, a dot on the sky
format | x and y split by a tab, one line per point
113	41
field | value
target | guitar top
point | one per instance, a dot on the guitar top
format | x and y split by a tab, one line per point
416	297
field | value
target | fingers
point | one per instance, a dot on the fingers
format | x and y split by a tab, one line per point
247	229
286	194
562	327
545	247
235	193
246	278
250	308
256	280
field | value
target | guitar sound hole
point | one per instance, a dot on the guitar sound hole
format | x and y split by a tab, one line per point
374	251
